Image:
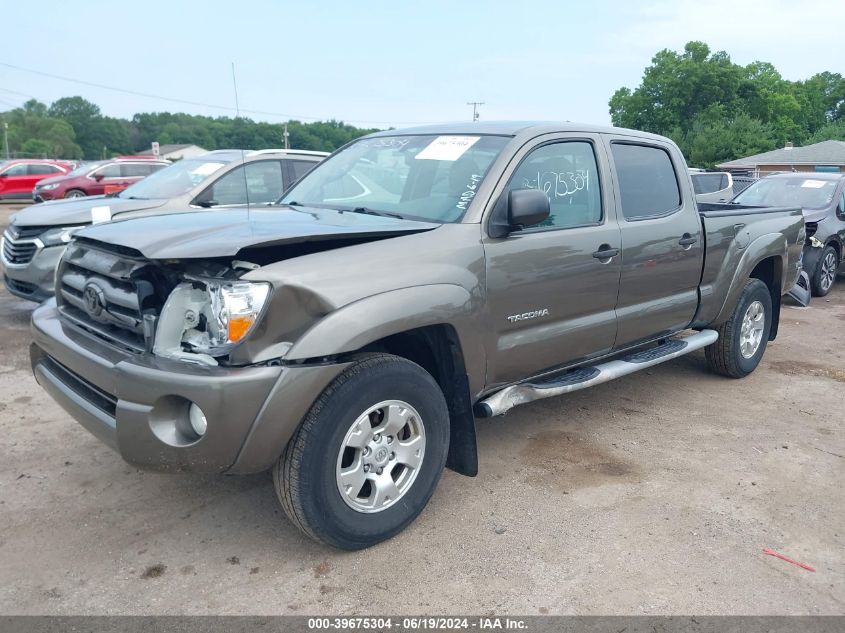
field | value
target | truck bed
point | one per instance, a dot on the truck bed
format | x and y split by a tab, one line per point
728	230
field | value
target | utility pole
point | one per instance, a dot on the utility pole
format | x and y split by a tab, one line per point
286	135
6	138
475	105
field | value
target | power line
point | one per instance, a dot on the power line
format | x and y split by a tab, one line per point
201	104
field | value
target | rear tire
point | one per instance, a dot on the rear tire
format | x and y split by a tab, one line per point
743	338
367	456
75	193
825	274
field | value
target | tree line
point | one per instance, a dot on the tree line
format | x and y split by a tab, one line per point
75	128
716	110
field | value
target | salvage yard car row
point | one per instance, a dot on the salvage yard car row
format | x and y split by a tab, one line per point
348	336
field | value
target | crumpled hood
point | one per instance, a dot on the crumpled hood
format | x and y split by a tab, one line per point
815	215
76	210
223	233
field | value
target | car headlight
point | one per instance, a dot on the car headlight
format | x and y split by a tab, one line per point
202	319
59	235
46	187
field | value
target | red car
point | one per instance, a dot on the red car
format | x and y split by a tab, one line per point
18	177
95	179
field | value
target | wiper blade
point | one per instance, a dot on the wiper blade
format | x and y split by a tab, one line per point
368	211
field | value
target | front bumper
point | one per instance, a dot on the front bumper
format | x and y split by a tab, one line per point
138	404
35	279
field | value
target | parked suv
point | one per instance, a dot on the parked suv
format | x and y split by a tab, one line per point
93	179
712	186
822	198
37	235
18	177
346	337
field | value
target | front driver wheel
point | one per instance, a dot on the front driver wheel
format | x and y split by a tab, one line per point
368	455
743	337
75	193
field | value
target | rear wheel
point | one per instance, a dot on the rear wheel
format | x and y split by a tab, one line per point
366	458
75	193
825	273
743	338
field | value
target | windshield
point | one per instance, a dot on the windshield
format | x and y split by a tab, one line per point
425	177
174	180
85	168
807	193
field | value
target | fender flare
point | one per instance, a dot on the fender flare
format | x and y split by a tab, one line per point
375	317
764	247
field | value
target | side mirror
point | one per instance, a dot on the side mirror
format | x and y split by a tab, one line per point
98	177
517	209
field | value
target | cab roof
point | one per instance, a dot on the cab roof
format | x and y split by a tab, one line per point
515	128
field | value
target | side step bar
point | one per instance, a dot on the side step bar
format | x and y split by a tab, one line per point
583	377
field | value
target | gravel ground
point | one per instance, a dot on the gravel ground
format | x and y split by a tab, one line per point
652	494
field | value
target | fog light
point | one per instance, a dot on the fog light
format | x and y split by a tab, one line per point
198	421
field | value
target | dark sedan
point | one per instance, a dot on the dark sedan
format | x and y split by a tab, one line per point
822	197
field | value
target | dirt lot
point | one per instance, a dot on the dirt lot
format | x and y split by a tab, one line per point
652	494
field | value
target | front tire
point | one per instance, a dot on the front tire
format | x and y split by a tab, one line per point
367	456
75	193
825	273
743	338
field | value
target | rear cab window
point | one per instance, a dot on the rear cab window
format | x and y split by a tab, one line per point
648	183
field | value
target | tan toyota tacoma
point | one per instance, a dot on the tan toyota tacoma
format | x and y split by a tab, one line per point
349	336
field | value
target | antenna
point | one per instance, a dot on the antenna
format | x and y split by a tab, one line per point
235	84
243	156
475	105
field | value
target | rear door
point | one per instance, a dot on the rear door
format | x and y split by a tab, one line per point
550	300
662	244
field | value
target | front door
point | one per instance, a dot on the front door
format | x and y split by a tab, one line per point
551	295
662	242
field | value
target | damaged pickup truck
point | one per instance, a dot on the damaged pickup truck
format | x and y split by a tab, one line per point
348	337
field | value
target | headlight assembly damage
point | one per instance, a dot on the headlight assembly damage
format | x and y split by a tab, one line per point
204	318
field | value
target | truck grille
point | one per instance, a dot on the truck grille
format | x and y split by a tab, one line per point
99	291
19	247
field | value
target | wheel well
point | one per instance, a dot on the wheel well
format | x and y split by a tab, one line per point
770	272
437	349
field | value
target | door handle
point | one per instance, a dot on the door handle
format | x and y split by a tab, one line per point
606	252
687	240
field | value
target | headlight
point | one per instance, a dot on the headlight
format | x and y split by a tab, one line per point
59	235
202	319
46	187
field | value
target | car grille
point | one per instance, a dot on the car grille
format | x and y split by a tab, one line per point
21	287
19	247
104	293
103	400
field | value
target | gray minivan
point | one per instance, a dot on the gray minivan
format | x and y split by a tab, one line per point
37	235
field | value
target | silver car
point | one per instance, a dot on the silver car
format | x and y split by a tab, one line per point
37	235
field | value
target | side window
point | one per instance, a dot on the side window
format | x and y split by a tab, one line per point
230	189
134	170
299	168
17	170
647	182
708	183
109	171
264	181
43	170
840	209
567	172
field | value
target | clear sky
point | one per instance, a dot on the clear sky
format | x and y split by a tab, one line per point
373	63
